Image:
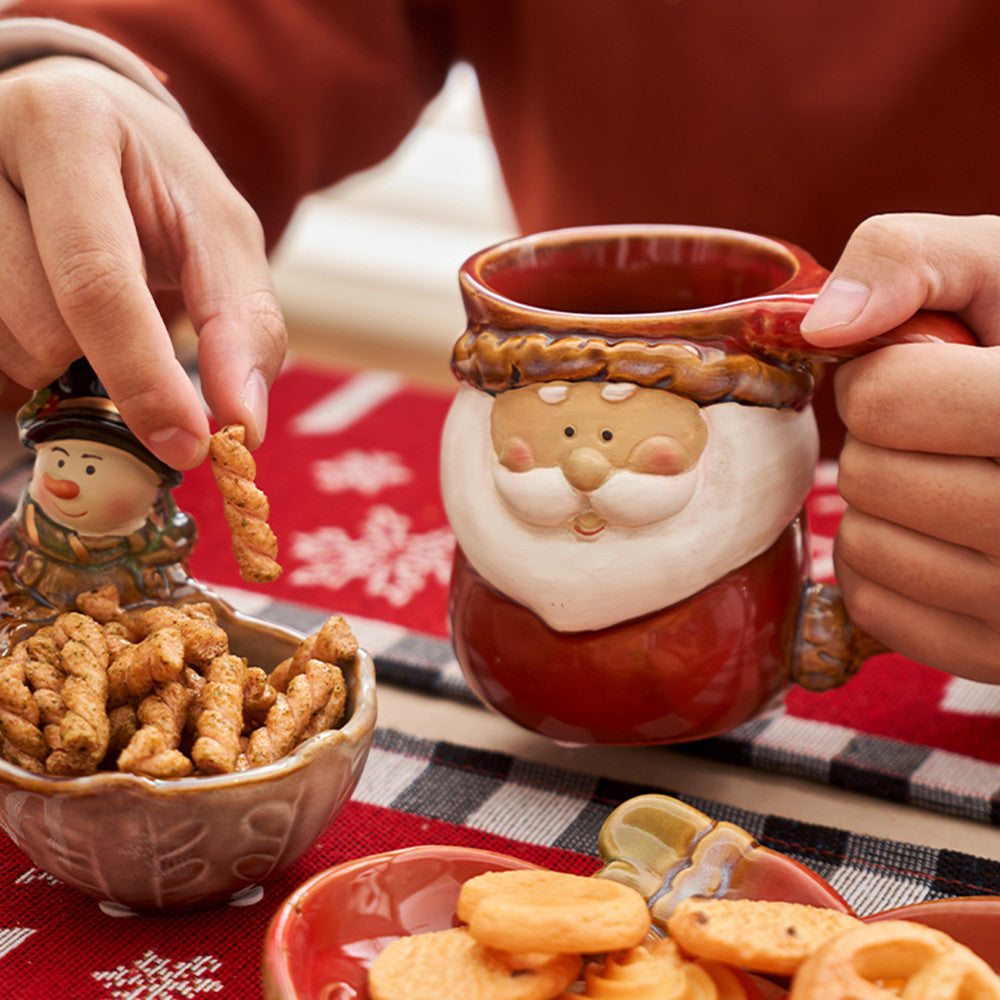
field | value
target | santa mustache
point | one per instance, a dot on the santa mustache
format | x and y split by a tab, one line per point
543	497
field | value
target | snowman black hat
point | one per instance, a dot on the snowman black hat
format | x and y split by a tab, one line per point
77	406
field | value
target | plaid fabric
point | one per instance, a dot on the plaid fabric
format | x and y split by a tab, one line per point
779	741
55	942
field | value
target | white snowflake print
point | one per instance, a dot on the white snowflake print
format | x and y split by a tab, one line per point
394	562
155	978
365	472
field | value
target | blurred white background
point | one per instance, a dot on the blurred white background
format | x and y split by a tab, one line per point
367	271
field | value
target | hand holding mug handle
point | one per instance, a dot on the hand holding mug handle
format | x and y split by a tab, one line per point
917	556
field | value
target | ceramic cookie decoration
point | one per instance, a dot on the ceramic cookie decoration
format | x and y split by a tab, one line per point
625	466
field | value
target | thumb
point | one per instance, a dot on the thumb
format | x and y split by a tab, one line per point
895	265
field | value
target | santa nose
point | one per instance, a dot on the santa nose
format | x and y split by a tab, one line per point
585	469
65	489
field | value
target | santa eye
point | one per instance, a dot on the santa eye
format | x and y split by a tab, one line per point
61	463
606	435
90	470
569	431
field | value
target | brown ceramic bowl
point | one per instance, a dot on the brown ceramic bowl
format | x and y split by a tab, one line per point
154	845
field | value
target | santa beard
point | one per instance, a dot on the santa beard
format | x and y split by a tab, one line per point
751	482
544	498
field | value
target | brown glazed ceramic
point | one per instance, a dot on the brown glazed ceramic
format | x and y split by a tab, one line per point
134	842
625	466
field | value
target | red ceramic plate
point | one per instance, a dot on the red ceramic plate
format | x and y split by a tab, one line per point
324	936
322	940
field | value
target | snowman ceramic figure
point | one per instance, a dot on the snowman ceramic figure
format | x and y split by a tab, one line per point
97	509
625	466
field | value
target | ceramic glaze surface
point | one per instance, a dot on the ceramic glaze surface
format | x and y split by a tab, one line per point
624	467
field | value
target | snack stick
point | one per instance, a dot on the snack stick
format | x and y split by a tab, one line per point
84	630
8	751
333	711
152	750
245	506
150	753
84	730
220	721
334	643
203	637
123	723
166	709
102	604
258	697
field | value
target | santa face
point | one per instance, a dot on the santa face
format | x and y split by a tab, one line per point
92	488
592	455
593	507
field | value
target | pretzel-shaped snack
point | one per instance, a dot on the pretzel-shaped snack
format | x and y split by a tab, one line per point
894	958
245	506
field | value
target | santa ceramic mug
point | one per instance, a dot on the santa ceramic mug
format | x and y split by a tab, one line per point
624	467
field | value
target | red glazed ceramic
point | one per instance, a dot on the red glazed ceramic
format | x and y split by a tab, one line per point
321	942
624	467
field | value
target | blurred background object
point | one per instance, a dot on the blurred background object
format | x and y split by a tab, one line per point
367	271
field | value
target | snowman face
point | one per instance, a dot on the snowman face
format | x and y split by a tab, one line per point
93	488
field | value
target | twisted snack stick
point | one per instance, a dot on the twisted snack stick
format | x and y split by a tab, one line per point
220	721
23	741
81	740
102	604
203	638
307	694
245	506
258	697
334	643
153	749
157	659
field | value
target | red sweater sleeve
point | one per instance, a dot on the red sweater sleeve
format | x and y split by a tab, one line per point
289	95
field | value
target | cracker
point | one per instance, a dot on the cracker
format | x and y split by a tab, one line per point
451	963
763	936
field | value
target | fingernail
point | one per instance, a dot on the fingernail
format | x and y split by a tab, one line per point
255	400
178	448
840	302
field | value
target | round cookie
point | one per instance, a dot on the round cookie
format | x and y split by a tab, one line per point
763	936
919	962
565	913
452	964
477	888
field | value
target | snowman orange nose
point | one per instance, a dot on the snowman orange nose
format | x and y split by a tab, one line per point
65	489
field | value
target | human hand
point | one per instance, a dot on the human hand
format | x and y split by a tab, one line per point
106	194
918	552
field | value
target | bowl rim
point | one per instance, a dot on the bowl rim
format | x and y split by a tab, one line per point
353	730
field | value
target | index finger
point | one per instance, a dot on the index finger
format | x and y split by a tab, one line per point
90	251
928	397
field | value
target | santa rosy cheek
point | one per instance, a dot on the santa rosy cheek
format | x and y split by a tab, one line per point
659	456
516	454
